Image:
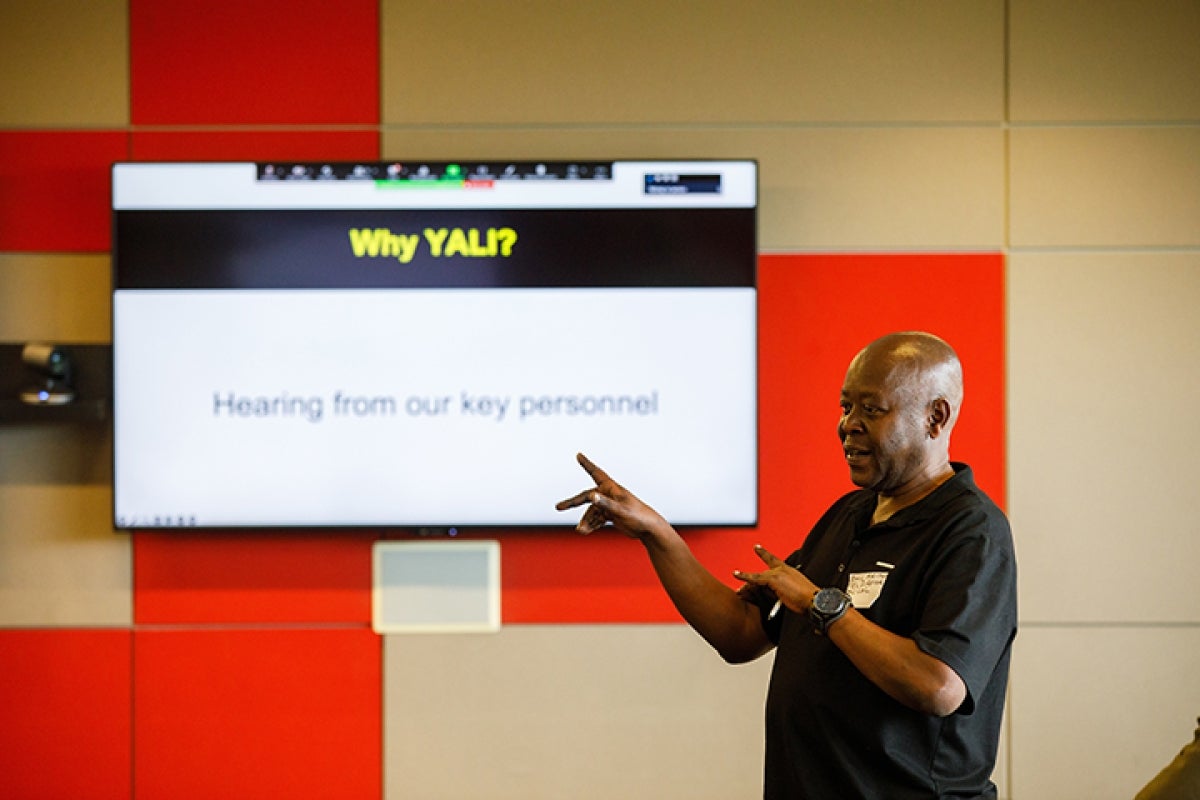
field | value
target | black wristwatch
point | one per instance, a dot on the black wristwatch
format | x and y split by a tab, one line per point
827	607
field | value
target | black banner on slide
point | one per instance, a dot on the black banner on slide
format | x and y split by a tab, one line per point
459	248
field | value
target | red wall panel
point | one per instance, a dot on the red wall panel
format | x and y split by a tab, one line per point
254	61
65	715
255	145
55	189
257	713
818	311
815	313
252	577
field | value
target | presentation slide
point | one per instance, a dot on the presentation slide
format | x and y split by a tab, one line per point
429	367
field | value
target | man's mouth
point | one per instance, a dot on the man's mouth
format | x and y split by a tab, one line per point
856	455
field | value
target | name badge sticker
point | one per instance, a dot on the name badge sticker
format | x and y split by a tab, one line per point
865	587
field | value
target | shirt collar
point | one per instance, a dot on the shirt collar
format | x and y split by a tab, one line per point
962	481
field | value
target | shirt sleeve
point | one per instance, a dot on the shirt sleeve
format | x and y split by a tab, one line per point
970	616
764	599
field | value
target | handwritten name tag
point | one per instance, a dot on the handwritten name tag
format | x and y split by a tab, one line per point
865	587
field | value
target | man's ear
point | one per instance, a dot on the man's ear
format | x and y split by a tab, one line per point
939	417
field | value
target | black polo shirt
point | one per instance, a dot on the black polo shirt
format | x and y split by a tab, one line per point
941	572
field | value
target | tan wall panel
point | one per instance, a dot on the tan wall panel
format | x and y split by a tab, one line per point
544	711
1096	712
60	561
56	453
1114	60
62	298
1103	385
1107	187
64	63
1001	772
883	188
631	61
821	188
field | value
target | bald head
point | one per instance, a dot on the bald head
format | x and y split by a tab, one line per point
920	365
899	403
921	371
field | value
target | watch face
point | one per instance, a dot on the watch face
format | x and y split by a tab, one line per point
828	601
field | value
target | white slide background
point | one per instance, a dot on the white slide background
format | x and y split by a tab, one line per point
401	407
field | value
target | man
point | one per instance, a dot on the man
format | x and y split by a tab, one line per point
894	620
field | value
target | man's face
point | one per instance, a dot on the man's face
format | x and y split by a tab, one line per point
884	426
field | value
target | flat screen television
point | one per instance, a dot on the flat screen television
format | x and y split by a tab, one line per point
427	345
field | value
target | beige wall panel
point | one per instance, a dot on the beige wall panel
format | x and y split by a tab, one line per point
630	61
1097	711
1001	772
579	711
1107	60
64	63
62	298
1103	385
1106	187
820	188
61	563
66	453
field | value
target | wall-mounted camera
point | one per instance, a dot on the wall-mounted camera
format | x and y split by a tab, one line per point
53	367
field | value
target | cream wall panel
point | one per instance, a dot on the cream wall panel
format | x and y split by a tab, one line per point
579	711
63	298
1001	772
67	454
630	61
1097	711
61	563
1109	60
1103	385
821	188
64	63
1108	187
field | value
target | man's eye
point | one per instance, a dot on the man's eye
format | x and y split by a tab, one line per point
868	410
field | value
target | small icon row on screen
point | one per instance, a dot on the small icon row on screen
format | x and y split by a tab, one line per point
435	171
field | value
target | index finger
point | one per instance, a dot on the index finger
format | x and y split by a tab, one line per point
768	558
586	496
598	475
